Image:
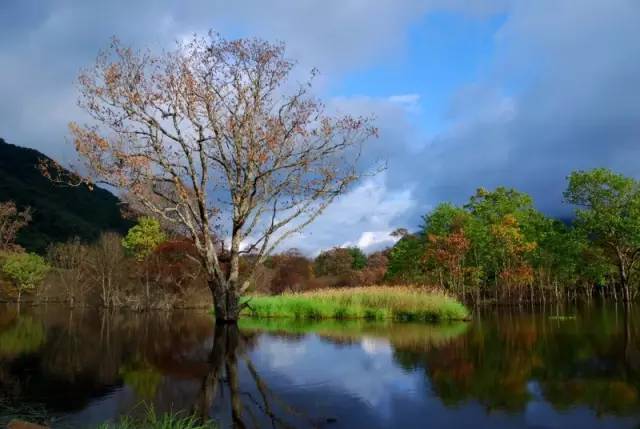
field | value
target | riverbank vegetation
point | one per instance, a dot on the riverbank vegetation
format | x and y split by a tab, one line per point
495	248
372	303
29	416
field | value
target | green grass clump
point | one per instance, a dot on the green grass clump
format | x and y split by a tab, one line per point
372	303
162	421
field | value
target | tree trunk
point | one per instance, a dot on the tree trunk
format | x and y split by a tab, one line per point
626	292
624	275
624	284
146	278
226	302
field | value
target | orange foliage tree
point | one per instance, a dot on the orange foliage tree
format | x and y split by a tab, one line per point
12	220
516	273
211	137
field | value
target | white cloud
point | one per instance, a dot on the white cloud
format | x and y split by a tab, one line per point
372	240
367	208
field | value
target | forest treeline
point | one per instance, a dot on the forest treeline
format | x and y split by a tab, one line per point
497	247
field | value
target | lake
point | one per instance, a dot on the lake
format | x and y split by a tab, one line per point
508	368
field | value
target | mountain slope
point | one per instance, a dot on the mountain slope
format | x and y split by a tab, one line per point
59	212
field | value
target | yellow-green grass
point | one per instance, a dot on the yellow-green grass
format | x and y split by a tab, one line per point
372	303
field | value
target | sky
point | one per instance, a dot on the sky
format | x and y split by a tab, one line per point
466	93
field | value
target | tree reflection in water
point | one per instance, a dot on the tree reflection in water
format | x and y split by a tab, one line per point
107	364
229	347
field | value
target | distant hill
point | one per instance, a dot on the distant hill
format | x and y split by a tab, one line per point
59	212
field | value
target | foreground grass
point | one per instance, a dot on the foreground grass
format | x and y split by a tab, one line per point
150	420
372	303
162	421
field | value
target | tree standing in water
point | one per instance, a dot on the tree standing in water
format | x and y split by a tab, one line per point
212	138
609	213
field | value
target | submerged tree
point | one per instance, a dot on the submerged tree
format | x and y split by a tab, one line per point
208	137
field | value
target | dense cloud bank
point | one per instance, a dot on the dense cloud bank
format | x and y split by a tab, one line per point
562	91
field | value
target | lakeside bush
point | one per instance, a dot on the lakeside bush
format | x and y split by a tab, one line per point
373	303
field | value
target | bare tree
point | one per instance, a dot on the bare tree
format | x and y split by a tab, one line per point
104	262
12	221
214	132
69	261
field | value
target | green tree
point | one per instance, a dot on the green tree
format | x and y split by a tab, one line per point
443	219
405	260
334	262
608	211
141	241
26	271
492	206
359	259
143	238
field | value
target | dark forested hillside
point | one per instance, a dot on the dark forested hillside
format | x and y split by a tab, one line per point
59	212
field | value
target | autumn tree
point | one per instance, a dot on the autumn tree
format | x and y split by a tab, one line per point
213	137
12	220
374	271
515	271
448	252
174	265
608	210
292	271
446	245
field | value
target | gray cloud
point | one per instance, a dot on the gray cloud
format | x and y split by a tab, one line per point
563	91
45	43
574	103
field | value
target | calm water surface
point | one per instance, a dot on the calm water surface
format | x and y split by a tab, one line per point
506	369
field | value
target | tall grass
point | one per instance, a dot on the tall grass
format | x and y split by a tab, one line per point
372	303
